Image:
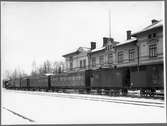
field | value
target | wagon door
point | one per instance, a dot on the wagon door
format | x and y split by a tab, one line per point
88	78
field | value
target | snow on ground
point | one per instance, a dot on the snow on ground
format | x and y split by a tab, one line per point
45	109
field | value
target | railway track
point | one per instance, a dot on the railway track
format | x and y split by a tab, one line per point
17	114
123	100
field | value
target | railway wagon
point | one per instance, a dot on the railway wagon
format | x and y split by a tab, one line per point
75	80
7	84
24	83
147	79
38	83
114	81
17	83
11	84
4	83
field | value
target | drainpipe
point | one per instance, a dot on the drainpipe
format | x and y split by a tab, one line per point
89	60
138	58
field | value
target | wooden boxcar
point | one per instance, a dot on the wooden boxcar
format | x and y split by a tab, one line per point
147	77
74	80
38	82
109	78
24	83
17	83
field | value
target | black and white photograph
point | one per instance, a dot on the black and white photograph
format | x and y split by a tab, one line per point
85	62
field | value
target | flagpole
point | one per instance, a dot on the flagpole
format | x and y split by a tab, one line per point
109	23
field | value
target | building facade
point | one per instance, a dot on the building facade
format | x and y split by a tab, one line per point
150	43
77	60
140	50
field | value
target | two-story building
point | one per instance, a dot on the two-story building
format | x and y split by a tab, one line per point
77	59
141	50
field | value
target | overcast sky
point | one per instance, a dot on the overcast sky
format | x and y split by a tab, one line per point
40	31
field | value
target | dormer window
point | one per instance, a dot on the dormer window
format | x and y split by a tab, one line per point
153	35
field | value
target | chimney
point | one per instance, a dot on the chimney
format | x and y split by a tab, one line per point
154	21
105	41
128	34
93	45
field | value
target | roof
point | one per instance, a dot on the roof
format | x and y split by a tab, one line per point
76	51
133	39
98	49
152	26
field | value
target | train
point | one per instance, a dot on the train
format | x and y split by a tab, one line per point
108	81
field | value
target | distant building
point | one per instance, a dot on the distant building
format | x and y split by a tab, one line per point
77	59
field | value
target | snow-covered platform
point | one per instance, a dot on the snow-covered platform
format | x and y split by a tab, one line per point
25	107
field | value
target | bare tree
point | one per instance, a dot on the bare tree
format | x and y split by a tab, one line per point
17	73
48	67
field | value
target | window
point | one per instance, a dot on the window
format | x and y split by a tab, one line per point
80	63
101	60
71	63
131	54
110	58
84	63
120	57
110	46
153	50
153	35
93	61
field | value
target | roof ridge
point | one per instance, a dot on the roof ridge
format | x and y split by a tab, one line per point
152	24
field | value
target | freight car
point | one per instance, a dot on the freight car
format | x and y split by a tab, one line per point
38	83
147	79
13	84
78	81
109	81
25	83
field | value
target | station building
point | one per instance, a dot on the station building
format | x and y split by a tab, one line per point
141	51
